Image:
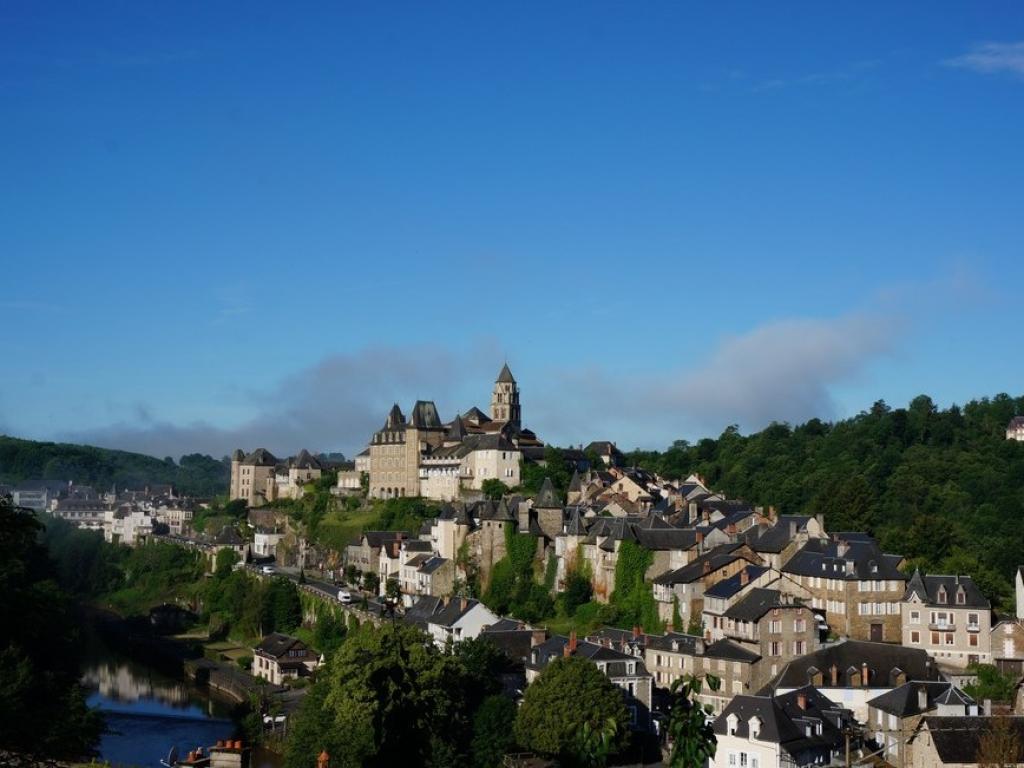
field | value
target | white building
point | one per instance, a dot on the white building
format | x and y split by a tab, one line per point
459	619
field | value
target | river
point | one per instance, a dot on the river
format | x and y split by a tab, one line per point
149	711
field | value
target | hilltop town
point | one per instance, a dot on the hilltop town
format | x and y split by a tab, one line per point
821	643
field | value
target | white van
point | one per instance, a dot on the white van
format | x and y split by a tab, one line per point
344	596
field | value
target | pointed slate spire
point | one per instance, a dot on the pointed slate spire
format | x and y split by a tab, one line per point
917	585
576	484
505	377
457	431
503	513
547	498
575	526
395	418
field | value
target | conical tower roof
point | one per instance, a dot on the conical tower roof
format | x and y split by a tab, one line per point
395	418
547	498
576	484
506	377
576	526
503	512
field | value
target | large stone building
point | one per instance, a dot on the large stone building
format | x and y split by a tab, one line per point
950	618
422	456
258	477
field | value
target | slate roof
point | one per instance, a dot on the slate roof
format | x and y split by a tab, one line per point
753	606
475	415
927	589
958	739
305	460
456	430
575	484
229	537
547	498
687	644
904	702
505	376
277	644
261	457
718	557
575	526
884	662
377	539
432	564
774	539
727	649
457	608
424	415
615	660
416	545
821	557
395	419
785	722
731	586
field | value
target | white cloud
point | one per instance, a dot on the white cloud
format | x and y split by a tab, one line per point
992	57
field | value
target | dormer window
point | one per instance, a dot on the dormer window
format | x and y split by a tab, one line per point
755	727
941	596
731	723
961	596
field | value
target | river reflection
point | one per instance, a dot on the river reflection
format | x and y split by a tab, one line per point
148	712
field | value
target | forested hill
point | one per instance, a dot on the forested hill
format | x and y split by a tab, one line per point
193	475
942	487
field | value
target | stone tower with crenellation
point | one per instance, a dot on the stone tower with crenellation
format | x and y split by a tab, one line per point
505	399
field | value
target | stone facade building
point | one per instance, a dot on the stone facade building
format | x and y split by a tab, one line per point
948	617
421	456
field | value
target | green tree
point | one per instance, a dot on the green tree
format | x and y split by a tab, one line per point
224	562
991	684
569	693
312	730
393	590
689	727
396	698
329	631
492	738
42	710
578	591
371	582
281	609
493	488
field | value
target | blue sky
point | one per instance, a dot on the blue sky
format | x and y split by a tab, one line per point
240	224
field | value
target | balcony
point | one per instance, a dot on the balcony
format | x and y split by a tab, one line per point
942	626
973	627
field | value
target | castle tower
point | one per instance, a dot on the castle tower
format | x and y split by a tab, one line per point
505	399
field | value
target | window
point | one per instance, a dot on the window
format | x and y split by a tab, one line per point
774	650
949	638
743	759
915	617
776	627
732	758
799	648
800	625
972	620
942	596
935	638
915	637
972	640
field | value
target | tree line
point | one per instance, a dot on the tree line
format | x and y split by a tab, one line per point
943	487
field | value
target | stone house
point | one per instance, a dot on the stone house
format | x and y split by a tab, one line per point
280	657
773	625
1007	643
893	717
250	475
858	587
800	728
948	617
364	554
853	672
686	585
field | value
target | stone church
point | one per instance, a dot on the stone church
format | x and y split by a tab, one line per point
422	456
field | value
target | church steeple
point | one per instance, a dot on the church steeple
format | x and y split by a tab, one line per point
505	399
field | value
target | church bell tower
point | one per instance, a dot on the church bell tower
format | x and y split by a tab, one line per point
505	399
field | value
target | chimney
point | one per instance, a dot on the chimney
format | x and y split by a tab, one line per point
801	700
744	578
463	604
864	674
922	698
841	548
834	673
700	537
731	529
636	633
324	761
537	637
572	642
707	567
792	529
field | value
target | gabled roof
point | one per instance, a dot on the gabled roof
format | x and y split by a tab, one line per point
727	649
927	589
277	644
846	558
229	537
904	701
958	739
476	416
717	558
456	430
261	457
503	512
457	608
432	564
305	460
731	586
753	606
883	661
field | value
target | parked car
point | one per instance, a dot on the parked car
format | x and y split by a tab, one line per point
344	596
267	570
